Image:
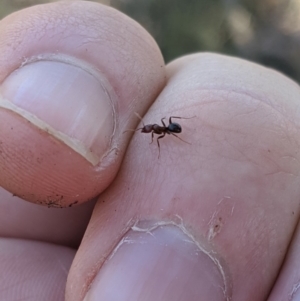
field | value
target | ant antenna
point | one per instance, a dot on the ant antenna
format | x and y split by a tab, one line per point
140	118
180	138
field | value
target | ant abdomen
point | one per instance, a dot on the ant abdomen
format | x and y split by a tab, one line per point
174	127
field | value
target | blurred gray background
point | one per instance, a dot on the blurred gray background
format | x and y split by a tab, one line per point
264	31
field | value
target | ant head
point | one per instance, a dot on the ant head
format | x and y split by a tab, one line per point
147	128
174	127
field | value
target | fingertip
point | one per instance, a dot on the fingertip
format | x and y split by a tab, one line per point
69	89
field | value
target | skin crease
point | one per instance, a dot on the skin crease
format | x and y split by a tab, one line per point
242	166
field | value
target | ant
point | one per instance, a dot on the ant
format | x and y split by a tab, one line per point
163	129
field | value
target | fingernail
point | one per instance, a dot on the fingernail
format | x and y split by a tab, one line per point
159	264
68	99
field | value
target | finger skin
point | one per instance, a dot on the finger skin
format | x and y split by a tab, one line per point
24	220
37	166
235	187
287	284
32	270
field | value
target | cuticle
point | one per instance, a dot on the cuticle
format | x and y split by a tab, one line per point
148	226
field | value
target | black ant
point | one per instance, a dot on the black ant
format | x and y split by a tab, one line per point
162	130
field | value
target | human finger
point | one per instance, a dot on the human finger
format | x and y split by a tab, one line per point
209	220
72	75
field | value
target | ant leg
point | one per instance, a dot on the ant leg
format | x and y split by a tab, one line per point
180	138
152	135
170	119
162	136
162	121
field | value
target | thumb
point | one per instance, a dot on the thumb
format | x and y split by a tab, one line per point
70	83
